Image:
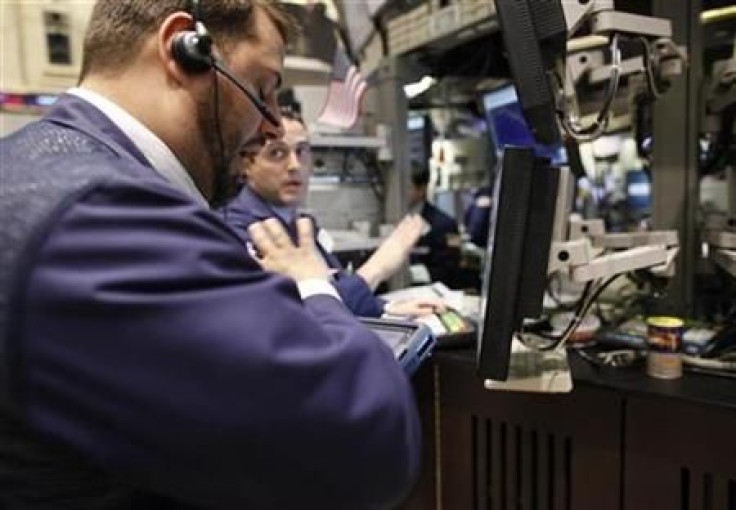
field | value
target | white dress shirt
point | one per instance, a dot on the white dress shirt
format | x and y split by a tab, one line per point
151	146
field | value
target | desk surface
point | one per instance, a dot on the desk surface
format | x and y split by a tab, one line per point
691	387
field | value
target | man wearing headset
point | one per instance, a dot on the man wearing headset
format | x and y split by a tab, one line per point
145	360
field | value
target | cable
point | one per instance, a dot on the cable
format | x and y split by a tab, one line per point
648	66
651	82
589	133
218	66
572	325
555	295
601	288
557	340
583	307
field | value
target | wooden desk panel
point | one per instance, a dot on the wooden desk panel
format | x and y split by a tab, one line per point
679	455
501	450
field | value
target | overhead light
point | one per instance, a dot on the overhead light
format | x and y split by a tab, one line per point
719	14
412	90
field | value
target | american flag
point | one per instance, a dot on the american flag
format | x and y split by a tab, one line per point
347	87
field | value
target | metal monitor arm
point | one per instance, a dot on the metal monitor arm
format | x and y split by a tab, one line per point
605	19
660	59
597	255
720	231
720	92
722	249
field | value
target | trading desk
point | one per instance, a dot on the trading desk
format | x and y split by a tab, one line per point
620	440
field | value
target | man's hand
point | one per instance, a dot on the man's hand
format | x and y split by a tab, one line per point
415	307
393	252
277	253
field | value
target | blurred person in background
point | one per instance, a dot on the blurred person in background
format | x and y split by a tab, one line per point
439	248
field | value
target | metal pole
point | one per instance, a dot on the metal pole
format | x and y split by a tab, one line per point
675	186
392	73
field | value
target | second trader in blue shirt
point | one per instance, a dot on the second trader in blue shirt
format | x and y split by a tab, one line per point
276	179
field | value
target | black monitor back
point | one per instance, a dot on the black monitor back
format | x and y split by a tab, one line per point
538	238
520	235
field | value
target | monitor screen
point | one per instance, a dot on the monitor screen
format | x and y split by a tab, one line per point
508	127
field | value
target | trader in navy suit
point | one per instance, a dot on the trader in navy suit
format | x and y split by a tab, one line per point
146	361
477	216
439	248
276	177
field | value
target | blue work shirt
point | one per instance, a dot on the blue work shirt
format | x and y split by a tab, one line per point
478	216
247	208
439	249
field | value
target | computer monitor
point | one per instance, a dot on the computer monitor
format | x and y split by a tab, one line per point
523	210
508	127
519	241
535	33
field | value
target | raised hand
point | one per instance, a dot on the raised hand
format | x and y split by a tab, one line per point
393	251
277	253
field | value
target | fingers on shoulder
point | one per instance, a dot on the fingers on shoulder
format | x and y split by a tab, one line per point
305	230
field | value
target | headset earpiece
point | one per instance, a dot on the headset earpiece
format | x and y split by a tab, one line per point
192	51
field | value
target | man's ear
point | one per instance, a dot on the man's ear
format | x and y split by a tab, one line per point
174	25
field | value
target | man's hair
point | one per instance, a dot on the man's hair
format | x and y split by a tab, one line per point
290	114
289	106
118	28
419	174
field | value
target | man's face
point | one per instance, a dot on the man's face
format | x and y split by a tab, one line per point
258	64
279	172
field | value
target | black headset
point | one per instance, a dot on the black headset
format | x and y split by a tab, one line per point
192	50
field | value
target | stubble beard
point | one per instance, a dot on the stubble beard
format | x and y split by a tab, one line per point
221	146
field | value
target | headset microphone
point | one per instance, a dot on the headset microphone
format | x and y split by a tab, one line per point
218	66
193	52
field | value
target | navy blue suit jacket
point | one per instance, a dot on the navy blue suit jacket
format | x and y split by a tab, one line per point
435	250
248	207
477	217
151	345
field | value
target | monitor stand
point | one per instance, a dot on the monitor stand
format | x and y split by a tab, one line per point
535	371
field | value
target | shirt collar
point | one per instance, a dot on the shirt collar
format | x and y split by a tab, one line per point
153	148
286	213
